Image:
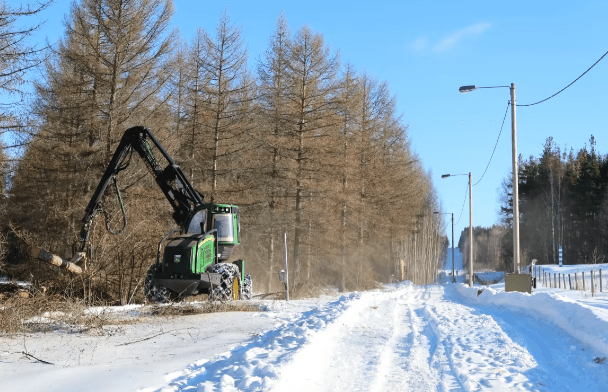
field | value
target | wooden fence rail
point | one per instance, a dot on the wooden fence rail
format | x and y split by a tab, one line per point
558	280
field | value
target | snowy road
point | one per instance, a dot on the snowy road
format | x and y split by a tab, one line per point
382	342
408	338
443	337
413	339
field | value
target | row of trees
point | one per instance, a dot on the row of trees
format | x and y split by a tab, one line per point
488	248
304	145
17	57
563	202
563	198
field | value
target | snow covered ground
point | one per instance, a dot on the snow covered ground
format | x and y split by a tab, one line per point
444	337
134	351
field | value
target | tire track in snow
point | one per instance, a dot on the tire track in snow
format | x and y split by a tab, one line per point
481	354
406	361
419	341
407	338
349	353
383	342
418	361
397	345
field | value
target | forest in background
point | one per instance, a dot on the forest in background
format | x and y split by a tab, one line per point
563	200
304	144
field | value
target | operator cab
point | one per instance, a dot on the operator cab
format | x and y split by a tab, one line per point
222	217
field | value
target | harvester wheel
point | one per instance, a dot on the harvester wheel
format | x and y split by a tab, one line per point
247	288
235	288
226	291
154	293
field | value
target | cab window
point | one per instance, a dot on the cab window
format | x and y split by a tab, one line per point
195	223
224	226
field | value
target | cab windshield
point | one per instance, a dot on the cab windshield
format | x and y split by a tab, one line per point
225	229
195	223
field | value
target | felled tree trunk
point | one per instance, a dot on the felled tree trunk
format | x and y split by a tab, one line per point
57	261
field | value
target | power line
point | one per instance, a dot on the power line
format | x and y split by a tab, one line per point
463	202
497	139
588	69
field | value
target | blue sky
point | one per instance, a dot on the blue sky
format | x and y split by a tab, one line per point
425	50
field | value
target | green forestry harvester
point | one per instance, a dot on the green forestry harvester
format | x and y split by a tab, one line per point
194	261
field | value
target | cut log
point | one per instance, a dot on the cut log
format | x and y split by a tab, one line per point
57	261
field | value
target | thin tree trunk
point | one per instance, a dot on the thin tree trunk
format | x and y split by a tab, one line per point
271	271
298	220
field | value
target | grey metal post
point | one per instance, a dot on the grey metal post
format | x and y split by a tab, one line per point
453	276
286	268
470	231
584	289
515	183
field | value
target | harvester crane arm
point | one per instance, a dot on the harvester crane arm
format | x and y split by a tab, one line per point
172	181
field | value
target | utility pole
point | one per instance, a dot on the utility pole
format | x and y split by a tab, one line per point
515	183
447	213
453	276
467	89
470	231
470	222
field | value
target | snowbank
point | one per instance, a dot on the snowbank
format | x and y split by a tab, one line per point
486	278
586	323
253	366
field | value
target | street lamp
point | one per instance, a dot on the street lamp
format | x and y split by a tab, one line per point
448	213
467	89
470	224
